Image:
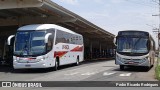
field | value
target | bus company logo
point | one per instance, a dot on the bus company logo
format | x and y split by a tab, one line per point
65	46
6	84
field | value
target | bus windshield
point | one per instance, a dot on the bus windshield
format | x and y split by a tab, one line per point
132	45
30	43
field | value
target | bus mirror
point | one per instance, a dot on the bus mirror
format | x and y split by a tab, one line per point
114	41
115	47
9	39
47	36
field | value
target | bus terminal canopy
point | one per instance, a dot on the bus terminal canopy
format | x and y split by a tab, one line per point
23	12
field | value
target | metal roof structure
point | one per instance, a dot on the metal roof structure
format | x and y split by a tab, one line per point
24	12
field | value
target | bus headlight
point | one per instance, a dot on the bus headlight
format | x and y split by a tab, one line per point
144	59
119	58
147	58
15	58
40	58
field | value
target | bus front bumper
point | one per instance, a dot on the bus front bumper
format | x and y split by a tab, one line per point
40	64
136	62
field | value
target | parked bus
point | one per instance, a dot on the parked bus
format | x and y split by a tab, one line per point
46	45
134	48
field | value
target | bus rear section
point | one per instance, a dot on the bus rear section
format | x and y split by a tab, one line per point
134	48
37	46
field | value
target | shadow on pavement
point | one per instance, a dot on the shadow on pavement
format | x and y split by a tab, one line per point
134	69
9	69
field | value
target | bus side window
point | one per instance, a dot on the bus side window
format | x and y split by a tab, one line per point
148	44
49	44
62	37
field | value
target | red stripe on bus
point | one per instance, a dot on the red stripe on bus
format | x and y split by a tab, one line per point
60	53
78	48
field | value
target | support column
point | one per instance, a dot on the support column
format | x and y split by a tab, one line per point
91	51
100	50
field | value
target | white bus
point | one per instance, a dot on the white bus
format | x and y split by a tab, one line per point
46	45
134	48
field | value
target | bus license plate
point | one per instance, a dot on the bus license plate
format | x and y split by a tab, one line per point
27	65
131	62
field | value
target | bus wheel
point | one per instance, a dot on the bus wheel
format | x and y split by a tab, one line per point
77	61
148	68
121	67
56	65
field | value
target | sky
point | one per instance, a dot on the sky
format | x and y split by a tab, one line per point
116	15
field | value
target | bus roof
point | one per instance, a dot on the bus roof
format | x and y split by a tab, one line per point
44	27
133	31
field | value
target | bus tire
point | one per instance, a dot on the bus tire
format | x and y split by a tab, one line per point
121	67
77	61
56	65
148	68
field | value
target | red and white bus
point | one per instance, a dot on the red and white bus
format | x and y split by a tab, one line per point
46	45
